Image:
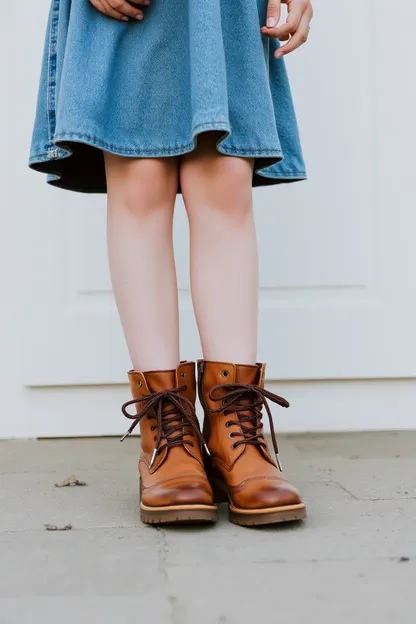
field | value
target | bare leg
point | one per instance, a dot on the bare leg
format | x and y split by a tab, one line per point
217	192
141	198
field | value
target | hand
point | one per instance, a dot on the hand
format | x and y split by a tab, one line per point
296	29
121	9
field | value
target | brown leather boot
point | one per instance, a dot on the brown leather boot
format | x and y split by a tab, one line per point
243	470
173	483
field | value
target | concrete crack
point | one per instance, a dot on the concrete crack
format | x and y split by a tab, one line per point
346	490
178	610
162	547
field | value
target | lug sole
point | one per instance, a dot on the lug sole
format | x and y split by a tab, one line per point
275	515
178	514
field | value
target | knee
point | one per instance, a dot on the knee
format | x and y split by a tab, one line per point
234	187
226	190
144	188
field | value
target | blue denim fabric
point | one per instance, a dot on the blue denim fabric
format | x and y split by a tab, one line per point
149	88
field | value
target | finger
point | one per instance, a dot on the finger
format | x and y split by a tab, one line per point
105	8
274	9
299	38
123	7
290	27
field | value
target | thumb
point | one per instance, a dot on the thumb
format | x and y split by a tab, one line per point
273	13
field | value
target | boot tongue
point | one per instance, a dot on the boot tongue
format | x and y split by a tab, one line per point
157	381
246	374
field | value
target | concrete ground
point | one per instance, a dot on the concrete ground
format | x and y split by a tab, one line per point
354	560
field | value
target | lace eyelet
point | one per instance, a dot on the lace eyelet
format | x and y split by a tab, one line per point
140	383
231	435
225	373
183	375
234	446
228	424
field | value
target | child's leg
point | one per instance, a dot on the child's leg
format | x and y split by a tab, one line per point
141	198
218	197
217	192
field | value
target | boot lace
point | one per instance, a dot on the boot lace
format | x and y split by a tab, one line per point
247	401
174	415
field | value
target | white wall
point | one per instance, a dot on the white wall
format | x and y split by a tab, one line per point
319	405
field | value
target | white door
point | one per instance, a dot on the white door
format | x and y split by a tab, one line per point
338	298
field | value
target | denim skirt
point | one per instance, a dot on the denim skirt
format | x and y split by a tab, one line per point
148	89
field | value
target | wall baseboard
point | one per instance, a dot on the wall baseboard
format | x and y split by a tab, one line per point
316	406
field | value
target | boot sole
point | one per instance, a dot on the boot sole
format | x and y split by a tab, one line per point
256	517
178	514
271	515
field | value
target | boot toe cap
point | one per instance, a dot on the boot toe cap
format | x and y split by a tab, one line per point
178	491
265	493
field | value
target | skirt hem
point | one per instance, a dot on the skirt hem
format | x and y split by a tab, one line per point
48	158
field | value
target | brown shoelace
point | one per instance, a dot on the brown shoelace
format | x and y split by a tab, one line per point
247	401
175	418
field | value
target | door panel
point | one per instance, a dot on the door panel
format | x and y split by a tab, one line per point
338	298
